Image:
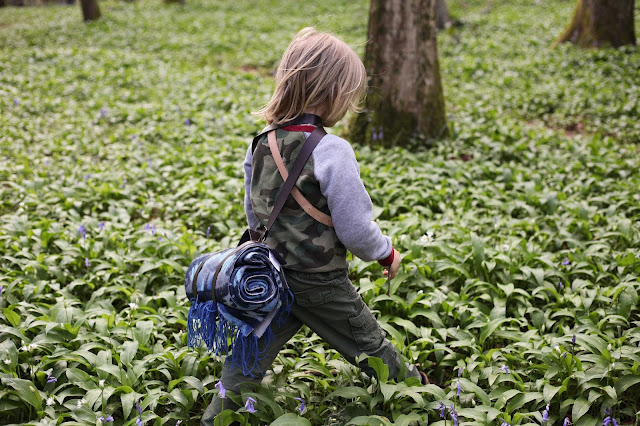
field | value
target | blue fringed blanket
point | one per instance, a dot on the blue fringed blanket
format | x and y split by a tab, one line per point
249	291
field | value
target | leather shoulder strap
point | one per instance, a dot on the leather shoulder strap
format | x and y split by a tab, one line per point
309	208
306	150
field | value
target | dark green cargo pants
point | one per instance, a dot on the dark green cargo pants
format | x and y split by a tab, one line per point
328	304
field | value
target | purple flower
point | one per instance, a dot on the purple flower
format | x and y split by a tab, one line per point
103	113
460	370
51	379
149	162
249	405
459	388
16	102
566	422
82	232
86	178
138	407
159	238
107	419
46	162
505	369
1	289
153	230
101	226
146	227
380	134
86	262
545	414
302	404
454	415
573	340
133	137
503	423
442	408
187	122
373	132
566	261
221	390
560	285
208	229
139	421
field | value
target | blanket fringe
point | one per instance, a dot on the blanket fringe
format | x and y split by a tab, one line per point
204	324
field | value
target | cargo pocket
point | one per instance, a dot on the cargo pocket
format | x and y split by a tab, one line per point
366	331
315	296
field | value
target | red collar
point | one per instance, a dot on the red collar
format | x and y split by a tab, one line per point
299	128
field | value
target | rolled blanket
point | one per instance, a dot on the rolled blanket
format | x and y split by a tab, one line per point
235	294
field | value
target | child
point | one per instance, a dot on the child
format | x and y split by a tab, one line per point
320	75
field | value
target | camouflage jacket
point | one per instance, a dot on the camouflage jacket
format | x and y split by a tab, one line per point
331	182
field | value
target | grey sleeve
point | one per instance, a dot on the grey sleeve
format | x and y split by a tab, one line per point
248	209
337	171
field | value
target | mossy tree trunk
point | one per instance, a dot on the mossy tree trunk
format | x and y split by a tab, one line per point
601	23
443	17
90	10
405	92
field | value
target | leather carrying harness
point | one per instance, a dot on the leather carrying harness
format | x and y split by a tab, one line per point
304	154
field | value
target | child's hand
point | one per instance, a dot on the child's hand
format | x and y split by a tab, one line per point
397	259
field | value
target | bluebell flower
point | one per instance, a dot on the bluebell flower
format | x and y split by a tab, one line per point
51	379
82	232
505	369
442	408
573	340
454	415
560	285
459	388
159	238
16	102
86	178
460	370
504	423
302	404
380	134
1	289
187	122
139	421
373	132
86	262
566	261
221	390
566	422
138	407
103	113
146	227
153	230
133	137
249	405
208	229
545	414
46	162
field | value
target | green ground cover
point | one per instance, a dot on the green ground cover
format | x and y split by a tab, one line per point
121	144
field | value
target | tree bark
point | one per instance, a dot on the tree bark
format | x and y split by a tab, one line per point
90	10
443	17
405	92
601	23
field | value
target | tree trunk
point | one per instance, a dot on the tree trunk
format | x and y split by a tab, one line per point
443	17
601	23
90	10
405	93
175	1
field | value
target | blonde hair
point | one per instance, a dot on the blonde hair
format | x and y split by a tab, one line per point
316	71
